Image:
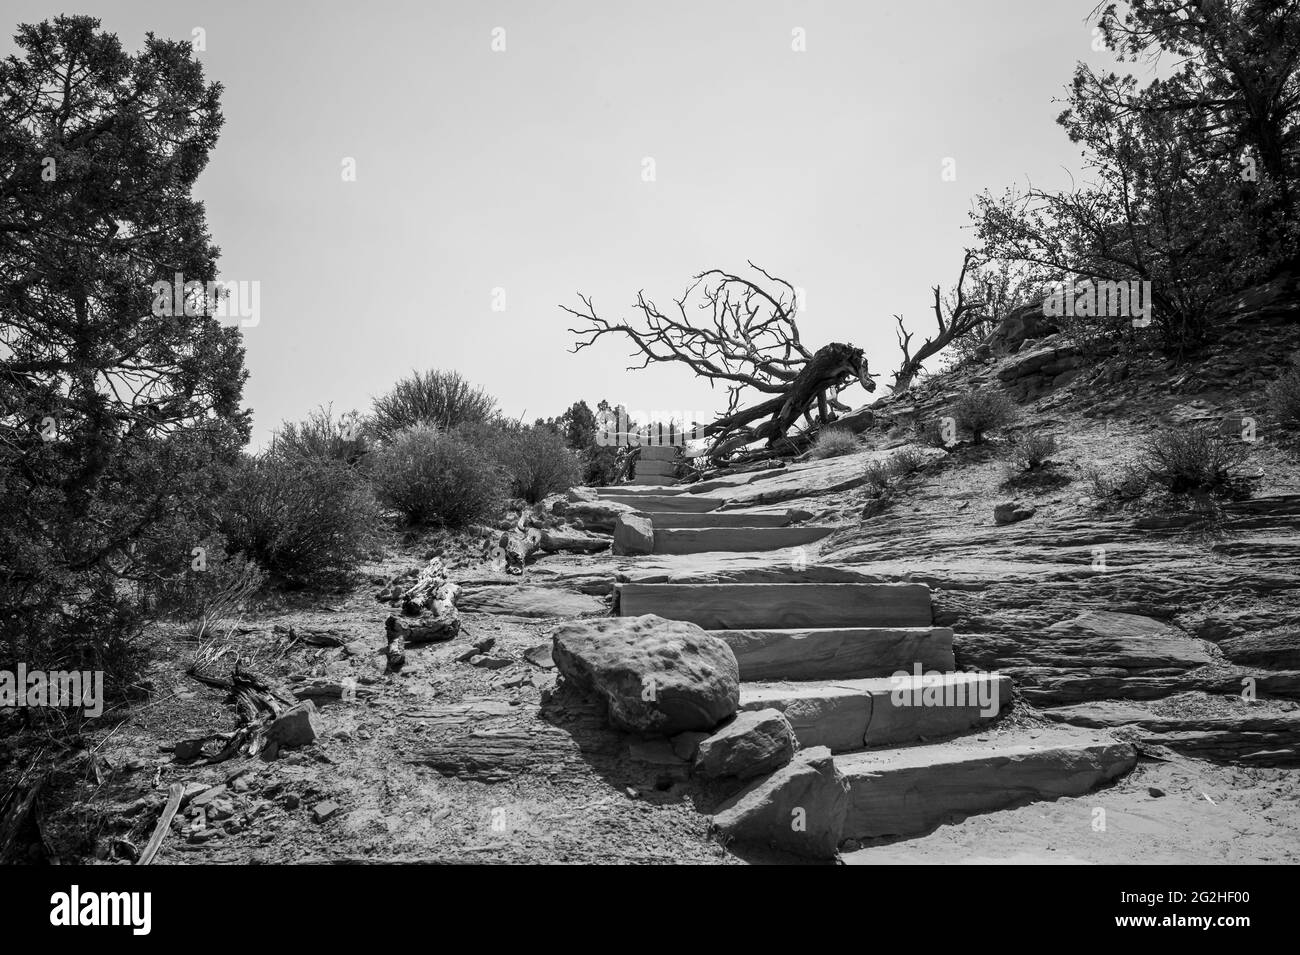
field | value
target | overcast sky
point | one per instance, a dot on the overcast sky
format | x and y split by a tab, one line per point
522	170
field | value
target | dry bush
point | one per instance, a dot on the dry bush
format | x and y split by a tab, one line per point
537	462
439	477
1196	460
1283	397
835	442
306	521
1031	451
443	399
982	410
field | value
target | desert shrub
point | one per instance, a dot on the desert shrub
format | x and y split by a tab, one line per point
882	474
1031	451
1126	483
324	437
439	477
982	410
444	399
834	442
1196	460
1283	397
930	432
305	521
537	462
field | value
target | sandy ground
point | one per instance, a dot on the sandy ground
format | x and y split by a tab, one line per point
1207	814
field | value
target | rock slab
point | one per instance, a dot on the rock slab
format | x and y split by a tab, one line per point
799	809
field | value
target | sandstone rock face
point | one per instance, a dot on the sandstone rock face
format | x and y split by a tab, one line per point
756	742
1256	734
527	601
1025	323
633	534
557	539
1009	512
800	808
655	675
598	515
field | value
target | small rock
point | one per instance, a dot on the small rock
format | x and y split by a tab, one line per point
1009	512
207	796
1154	791
540	655
221	809
296	726
191	790
633	534
491	663
188	749
322	811
484	644
756	742
292	801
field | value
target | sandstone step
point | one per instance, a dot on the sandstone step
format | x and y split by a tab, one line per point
838	653
641	491
660	501
666	519
704	540
846	715
909	791
650	472
781	606
661	452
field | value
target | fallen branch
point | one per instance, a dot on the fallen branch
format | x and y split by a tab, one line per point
174	793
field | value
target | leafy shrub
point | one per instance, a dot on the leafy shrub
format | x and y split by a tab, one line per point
307	522
444	399
1283	396
1031	451
537	462
834	442
323	437
1196	460
982	410
439	477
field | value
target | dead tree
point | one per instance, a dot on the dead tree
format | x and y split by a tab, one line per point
749	339
963	318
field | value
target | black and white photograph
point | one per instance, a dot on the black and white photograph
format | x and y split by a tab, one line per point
702	432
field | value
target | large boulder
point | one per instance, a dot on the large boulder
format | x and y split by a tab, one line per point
800	808
755	743
633	534
655	675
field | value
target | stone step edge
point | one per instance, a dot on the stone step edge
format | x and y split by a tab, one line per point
850	715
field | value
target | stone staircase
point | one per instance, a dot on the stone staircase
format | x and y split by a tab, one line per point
913	751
